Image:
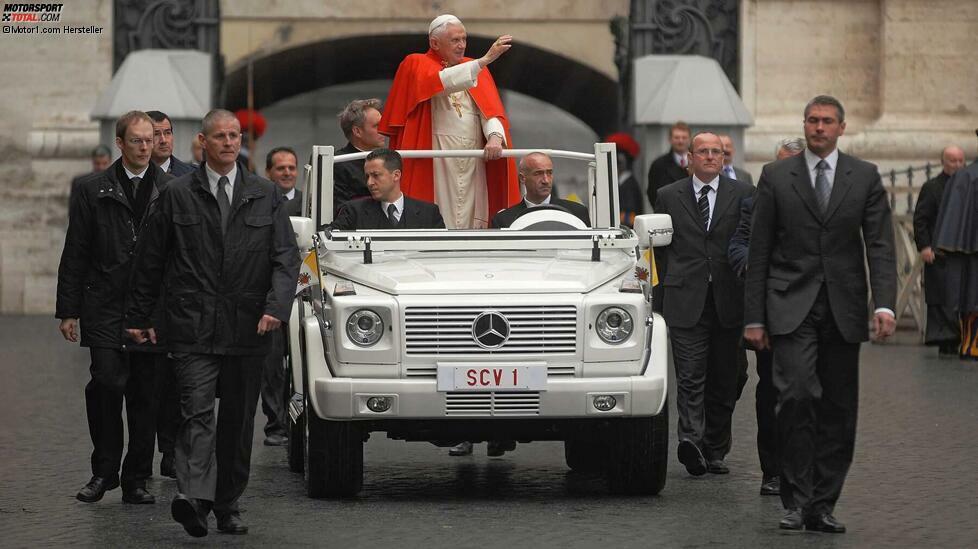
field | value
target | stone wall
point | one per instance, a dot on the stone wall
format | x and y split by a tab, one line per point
49	86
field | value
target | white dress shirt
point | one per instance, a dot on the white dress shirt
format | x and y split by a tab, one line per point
166	165
131	175
532	205
213	177
291	194
398	207
710	197
812	160
680	159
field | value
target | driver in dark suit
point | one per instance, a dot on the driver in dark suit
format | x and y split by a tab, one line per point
537	177
387	207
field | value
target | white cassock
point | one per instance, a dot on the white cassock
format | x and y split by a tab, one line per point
456	124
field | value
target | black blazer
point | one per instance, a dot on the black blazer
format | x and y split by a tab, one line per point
795	249
740	241
698	255
178	167
349	181
506	217
366	213
662	172
292	207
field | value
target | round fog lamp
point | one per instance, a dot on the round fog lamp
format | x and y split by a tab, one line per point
379	404
605	403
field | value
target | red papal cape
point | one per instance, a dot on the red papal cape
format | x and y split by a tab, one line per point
407	121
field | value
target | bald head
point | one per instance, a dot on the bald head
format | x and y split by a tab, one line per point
952	159
537	176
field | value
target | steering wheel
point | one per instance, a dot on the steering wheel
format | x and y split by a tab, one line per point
547	217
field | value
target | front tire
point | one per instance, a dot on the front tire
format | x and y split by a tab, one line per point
584	456
334	457
638	457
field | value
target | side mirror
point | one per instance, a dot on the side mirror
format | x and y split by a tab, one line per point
304	228
653	230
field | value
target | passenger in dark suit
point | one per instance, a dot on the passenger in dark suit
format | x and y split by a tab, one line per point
387	207
702	304
814	214
672	165
108	210
943	327
281	168
359	122
221	244
537	176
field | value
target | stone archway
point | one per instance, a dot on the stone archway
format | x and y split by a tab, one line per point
565	83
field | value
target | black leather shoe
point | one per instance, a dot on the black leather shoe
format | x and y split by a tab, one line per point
167	469
461	449
692	458
792	520
137	495
825	522
496	448
771	486
231	524
96	488
276	440
717	467
190	514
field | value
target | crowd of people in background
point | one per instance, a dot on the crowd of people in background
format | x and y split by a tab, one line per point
179	275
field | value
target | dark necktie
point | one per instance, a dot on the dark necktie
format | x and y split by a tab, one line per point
704	205
822	188
391	220
135	184
223	203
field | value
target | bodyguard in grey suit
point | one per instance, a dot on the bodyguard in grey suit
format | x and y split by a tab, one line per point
702	304
814	214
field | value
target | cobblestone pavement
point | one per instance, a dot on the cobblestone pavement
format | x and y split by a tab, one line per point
913	483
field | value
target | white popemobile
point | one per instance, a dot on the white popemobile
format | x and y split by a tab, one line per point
543	331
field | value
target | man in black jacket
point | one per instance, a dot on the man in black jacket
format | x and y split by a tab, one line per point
163	146
703	304
537	176
107	212
943	328
672	165
359	121
819	219
387	207
221	243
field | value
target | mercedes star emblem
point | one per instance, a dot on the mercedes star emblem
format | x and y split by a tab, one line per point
490	330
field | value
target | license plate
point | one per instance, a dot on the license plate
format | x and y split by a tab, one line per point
494	377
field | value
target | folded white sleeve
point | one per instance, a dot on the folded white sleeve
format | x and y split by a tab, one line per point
491	126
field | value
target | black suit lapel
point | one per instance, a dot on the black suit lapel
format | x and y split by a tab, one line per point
376	218
688	199
840	186
802	183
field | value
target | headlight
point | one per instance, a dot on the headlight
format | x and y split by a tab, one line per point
364	327
614	325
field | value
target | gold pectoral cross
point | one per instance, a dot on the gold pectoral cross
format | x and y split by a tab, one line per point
456	103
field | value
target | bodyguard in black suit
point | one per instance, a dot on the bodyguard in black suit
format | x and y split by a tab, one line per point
221	244
672	165
537	176
108	210
814	214
359	121
702	304
163	146
943	327
387	207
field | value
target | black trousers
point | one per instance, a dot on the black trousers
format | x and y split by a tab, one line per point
816	374
168	413
273	385
707	371
765	405
943	328
213	456
117	375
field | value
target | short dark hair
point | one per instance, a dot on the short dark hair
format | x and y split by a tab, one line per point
158	116
276	150
827	100
100	151
128	119
391	158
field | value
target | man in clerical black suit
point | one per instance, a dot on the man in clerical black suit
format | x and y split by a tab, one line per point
702	304
387	207
814	214
359	122
943	328
537	176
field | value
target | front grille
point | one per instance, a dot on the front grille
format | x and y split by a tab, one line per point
534	330
492	404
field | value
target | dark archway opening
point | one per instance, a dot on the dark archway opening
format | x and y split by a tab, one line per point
563	82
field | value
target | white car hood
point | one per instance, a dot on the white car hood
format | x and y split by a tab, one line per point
481	272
